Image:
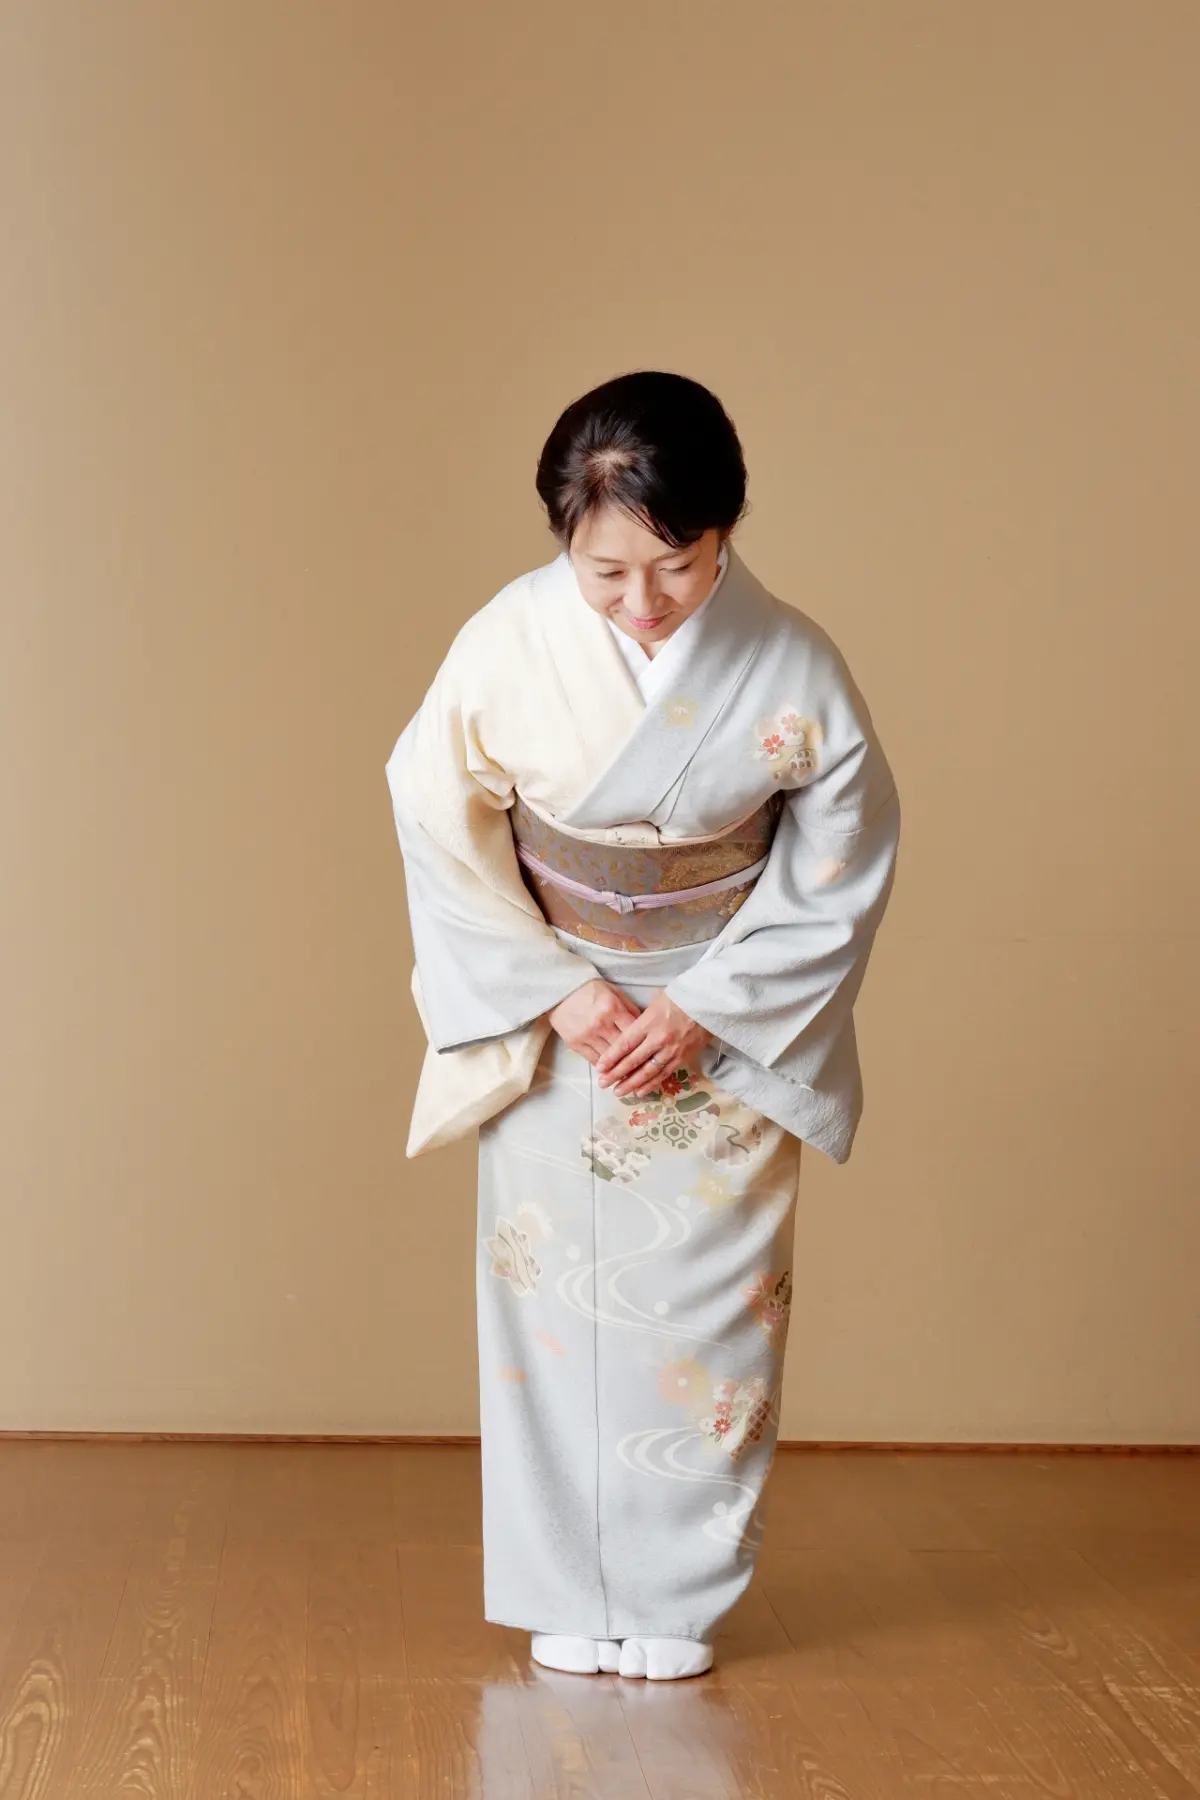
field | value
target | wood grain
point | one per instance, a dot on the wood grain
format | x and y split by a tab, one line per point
356	1695
219	1621
142	1728
250	1738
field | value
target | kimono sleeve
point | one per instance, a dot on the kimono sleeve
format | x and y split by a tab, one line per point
487	963
780	981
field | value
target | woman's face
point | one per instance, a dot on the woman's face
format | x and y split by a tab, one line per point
641	584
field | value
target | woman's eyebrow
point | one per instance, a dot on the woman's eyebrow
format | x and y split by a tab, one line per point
594	556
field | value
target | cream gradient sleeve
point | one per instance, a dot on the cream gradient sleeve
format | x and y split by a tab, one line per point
488	967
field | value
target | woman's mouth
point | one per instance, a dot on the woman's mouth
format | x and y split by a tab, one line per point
645	624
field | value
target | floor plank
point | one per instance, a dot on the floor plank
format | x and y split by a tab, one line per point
141	1729
356	1697
298	1622
250	1738
52	1664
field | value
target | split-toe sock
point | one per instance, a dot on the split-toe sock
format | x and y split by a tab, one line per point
577	1655
664	1659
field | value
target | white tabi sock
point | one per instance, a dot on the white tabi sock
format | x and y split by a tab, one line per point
664	1659
577	1655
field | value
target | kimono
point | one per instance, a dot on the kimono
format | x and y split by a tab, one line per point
633	1275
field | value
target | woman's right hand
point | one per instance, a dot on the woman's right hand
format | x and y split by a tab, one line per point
592	1017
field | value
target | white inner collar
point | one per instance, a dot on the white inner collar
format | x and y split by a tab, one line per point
653	673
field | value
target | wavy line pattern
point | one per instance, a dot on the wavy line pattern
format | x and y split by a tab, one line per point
673	1227
658	1451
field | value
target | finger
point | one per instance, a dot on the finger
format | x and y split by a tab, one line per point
621	1008
604	1043
622	1044
617	1027
644	1082
645	1073
628	1030
635	1059
638	1089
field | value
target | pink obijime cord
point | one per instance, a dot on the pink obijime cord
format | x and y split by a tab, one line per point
627	903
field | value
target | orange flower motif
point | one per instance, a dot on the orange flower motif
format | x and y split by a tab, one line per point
684	1383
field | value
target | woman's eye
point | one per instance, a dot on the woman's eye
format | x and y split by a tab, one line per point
616	574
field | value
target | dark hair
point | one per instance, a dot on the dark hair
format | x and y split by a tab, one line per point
657	446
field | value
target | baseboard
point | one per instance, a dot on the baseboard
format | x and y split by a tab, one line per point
432	1439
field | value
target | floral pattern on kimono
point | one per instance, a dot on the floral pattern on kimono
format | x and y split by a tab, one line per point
739	1415
713	1191
675	1115
737	1133
685	1382
612	1154
680	710
680	1114
789	744
512	1257
771	1304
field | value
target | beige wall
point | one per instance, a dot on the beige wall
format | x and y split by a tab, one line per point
289	296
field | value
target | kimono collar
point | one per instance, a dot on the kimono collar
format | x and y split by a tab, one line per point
636	753
653	673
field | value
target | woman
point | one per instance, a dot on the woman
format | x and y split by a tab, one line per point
648	835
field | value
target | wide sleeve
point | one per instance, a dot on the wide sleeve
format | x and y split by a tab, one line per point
779	982
487	963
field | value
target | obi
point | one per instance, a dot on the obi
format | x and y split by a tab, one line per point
642	897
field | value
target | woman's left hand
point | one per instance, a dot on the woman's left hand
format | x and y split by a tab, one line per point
660	1040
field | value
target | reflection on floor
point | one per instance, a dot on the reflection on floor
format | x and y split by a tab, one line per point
200	1621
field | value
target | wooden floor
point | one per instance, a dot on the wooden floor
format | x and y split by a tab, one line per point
260	1621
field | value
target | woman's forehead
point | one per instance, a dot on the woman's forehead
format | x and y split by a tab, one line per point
612	536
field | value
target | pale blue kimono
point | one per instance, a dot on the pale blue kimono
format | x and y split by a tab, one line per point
634	1273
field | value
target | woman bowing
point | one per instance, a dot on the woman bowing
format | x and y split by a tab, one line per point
648	834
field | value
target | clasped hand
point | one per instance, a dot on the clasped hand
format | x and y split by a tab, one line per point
631	1050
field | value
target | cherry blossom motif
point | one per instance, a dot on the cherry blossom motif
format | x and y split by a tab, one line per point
512	1258
679	710
790	744
739	1415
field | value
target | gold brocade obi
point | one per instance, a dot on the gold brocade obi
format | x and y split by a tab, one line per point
592	889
